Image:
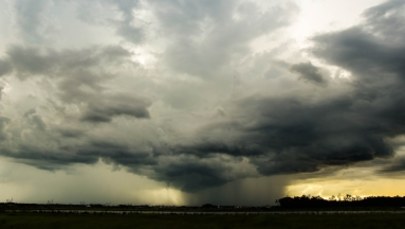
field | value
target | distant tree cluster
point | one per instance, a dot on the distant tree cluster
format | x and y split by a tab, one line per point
341	202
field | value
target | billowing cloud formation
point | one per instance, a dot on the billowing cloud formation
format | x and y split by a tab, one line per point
302	134
114	106
184	97
3	122
4	68
309	72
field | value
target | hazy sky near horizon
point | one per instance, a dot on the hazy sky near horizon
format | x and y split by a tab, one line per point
187	102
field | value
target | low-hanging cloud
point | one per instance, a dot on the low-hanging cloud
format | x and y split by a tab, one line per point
309	72
103	110
4	68
3	122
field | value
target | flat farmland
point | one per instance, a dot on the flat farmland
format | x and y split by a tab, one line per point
289	220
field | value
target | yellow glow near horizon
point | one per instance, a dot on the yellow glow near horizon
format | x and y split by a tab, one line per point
376	186
165	196
76	183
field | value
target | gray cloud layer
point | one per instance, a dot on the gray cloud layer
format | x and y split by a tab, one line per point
4	68
103	105
29	19
309	72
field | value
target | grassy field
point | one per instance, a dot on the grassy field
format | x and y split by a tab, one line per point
99	221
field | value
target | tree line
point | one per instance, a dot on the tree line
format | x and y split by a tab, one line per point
341	202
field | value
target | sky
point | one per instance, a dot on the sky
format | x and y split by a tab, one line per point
187	102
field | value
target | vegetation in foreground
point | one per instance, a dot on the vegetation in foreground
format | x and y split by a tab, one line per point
292	212
347	202
275	221
297	203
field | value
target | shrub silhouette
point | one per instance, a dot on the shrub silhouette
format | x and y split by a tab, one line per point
348	201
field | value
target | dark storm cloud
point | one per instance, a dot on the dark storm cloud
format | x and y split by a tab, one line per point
70	133
80	74
305	136
387	20
309	72
393	166
3	122
89	152
104	110
4	67
362	53
372	50
294	134
78	71
49	160
191	175
31	61
299	131
35	119
209	147
112	152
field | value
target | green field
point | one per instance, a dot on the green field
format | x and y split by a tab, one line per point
99	221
